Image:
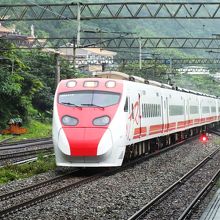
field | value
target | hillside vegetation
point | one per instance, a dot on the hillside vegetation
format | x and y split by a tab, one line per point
27	78
28	84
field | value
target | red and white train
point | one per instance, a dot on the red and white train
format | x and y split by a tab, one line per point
97	122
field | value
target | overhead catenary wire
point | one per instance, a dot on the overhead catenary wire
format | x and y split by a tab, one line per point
66	19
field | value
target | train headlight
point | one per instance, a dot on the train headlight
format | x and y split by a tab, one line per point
71	84
68	120
101	121
110	84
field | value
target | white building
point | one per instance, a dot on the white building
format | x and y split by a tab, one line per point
91	59
194	70
216	76
4	31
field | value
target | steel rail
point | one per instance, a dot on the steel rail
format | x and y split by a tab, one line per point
139	214
25	153
35	186
29	160
20	146
49	195
24	141
188	211
59	191
5	140
215	132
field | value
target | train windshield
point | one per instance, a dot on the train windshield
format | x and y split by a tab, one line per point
89	98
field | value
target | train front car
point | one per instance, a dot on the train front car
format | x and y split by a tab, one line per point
88	123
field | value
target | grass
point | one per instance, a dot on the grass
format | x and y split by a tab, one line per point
3	137
35	128
15	172
217	142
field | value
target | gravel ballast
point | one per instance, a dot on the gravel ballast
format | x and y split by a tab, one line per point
119	196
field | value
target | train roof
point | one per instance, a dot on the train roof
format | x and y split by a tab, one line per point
124	76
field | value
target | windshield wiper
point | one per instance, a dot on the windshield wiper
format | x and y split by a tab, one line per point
90	104
72	104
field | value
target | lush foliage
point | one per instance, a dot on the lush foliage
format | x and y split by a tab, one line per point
28	78
218	183
15	172
204	84
201	83
27	82
36	129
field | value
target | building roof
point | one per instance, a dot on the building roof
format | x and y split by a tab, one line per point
4	29
100	51
82	52
194	70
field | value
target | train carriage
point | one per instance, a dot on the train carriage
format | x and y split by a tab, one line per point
98	122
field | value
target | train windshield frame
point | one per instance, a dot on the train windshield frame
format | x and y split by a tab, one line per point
89	98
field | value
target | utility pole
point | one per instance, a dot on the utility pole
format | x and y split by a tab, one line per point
123	63
74	53
170	71
140	54
57	72
78	23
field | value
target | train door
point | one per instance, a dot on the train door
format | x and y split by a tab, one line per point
140	113
187	113
164	113
167	113
185	119
134	118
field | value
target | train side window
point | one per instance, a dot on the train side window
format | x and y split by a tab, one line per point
153	110
132	111
148	110
126	105
144	110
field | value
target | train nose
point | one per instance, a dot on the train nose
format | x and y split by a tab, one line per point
88	141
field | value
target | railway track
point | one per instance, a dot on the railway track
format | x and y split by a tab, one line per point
25	153
32	195
28	160
5	140
216	132
179	200
23	144
19	152
59	185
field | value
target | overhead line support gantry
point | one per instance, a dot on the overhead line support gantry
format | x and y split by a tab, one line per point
117	10
119	43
